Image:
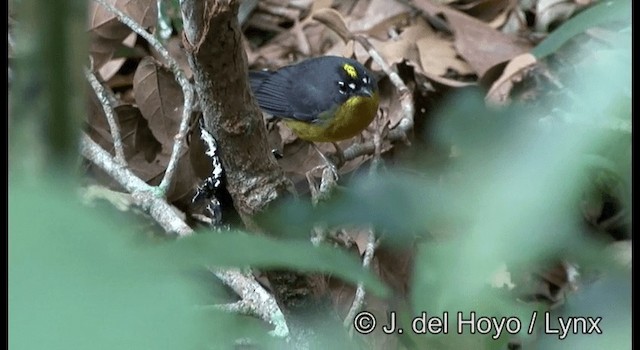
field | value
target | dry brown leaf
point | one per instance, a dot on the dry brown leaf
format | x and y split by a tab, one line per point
404	46
106	32
144	12
140	147
448	82
283	48
438	56
485	10
320	4
113	66
300	156
342	49
134	131
500	20
109	69
375	12
266	22
176	50
149	171
185	181
334	20
303	43
480	45
390	102
382	30
160	100
514	72
102	49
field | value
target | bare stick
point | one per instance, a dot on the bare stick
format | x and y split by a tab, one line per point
149	198
256	301
406	99
358	300
145	196
109	114
377	151
187	91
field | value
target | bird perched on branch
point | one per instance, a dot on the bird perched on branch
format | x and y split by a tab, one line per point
322	99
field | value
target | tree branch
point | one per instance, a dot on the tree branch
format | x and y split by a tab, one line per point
255	301
187	91
145	196
109	114
358	299
213	42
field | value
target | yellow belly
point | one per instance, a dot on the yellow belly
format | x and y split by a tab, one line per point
348	121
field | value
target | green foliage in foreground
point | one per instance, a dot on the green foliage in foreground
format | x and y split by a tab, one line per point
601	13
82	279
79	279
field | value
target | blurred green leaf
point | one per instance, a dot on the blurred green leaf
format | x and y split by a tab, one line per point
240	249
604	12
522	174
76	280
79	279
608	298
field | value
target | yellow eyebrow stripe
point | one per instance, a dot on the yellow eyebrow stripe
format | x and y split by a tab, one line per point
351	70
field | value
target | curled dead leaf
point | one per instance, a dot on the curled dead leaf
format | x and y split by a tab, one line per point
480	45
485	10
514	72
113	66
160	100
334	21
438	56
106	32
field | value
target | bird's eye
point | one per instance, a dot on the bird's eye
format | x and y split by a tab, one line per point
365	80
343	87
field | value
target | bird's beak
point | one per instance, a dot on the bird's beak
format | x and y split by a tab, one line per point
365	91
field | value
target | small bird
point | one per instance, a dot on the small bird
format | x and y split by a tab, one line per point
322	99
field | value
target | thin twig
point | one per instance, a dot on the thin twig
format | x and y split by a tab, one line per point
377	151
109	114
406	99
145	196
150	198
255	300
358	300
359	149
187	91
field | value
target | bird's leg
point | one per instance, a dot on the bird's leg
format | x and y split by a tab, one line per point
328	163
339	154
328	179
328	183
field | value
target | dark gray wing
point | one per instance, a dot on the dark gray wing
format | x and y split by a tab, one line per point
303	97
270	91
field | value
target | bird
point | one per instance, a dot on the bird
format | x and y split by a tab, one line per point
321	99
